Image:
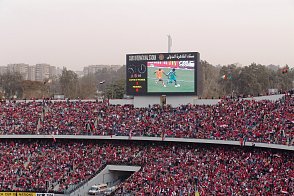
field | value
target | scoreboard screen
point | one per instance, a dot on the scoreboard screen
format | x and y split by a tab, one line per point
162	73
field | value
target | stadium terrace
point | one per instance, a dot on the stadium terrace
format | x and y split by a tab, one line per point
236	120
166	169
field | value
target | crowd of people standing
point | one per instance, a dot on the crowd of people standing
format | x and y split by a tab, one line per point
166	169
231	119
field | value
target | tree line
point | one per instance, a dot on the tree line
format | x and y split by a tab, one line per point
251	80
218	81
104	83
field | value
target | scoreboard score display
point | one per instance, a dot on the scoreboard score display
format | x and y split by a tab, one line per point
162	73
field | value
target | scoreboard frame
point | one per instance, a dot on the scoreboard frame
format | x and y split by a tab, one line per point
137	71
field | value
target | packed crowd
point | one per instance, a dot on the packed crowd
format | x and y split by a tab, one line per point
248	120
166	169
43	166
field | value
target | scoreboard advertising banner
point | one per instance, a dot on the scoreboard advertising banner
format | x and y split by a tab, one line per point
162	73
25	194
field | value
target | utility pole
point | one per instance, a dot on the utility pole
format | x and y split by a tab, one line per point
169	43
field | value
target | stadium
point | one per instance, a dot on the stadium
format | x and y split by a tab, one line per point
146	98
65	147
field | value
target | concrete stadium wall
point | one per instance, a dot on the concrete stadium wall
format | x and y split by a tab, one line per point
269	97
109	175
176	101
145	101
184	140
123	168
121	101
206	101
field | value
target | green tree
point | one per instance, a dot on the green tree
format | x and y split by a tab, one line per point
87	86
54	86
114	82
116	90
11	83
248	83
210	75
69	83
283	80
227	79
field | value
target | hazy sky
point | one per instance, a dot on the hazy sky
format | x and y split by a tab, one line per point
76	33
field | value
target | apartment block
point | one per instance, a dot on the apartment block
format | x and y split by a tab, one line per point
3	70
20	68
91	69
32	73
42	72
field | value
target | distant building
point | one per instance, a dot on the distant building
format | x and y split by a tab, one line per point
80	73
115	67
21	68
238	64
42	72
3	70
58	71
52	71
91	69
32	73
273	67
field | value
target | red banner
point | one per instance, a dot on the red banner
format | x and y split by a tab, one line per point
163	64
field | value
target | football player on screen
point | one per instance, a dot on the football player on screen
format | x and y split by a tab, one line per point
159	74
172	77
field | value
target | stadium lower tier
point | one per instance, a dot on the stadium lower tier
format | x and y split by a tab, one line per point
166	168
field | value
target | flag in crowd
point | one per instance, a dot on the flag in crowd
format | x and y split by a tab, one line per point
39	124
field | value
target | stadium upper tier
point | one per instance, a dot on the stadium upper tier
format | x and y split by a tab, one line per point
166	168
248	120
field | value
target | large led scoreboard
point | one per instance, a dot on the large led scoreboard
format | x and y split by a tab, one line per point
162	73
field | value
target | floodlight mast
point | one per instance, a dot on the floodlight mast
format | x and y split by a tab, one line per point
169	43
